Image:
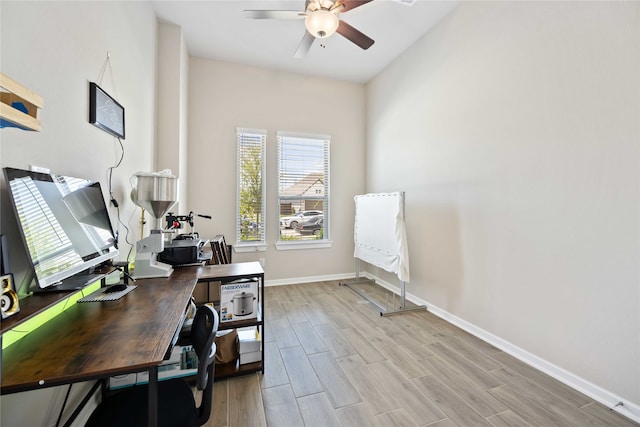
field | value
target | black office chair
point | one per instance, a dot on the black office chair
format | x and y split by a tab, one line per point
176	403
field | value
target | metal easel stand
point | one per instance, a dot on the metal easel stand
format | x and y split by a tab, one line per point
383	311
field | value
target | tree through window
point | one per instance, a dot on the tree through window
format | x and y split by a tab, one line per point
251	189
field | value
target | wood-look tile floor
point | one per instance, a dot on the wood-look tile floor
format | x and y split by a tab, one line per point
332	360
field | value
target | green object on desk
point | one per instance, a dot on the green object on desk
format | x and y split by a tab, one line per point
25	328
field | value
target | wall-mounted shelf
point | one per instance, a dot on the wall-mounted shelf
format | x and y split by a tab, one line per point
19	106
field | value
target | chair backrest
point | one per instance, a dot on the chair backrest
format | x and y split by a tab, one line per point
203	333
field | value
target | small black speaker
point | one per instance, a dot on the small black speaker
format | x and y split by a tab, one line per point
9	297
4	255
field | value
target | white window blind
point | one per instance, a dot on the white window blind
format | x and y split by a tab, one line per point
250	216
303	186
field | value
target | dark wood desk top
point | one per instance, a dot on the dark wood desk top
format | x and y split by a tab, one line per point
99	339
234	271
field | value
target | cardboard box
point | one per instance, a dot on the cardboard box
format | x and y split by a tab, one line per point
239	300
249	340
254	356
206	292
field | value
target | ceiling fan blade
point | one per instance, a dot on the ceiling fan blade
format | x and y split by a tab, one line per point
305	45
349	4
274	14
353	35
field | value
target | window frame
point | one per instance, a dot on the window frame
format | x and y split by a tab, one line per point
251	245
326	241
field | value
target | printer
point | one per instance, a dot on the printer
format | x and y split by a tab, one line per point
185	252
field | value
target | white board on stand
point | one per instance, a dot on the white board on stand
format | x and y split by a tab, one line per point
380	234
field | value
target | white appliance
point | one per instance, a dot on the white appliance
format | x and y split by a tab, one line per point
156	193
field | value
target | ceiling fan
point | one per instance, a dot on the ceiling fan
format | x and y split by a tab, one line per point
321	21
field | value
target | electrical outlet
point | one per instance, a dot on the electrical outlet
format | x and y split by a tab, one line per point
262	262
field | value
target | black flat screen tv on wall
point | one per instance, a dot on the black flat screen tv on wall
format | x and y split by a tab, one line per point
105	112
64	223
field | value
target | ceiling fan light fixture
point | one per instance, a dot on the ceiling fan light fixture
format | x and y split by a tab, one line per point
321	23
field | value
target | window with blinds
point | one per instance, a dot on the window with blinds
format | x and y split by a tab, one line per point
250	216
303	187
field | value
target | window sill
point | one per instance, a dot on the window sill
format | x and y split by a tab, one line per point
250	247
292	246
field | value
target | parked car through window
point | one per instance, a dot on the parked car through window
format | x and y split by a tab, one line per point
311	226
295	219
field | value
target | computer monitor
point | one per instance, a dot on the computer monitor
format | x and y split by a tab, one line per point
64	223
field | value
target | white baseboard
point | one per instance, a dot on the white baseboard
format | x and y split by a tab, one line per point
585	387
611	400
309	279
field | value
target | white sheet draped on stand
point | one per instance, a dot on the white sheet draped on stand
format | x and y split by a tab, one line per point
380	239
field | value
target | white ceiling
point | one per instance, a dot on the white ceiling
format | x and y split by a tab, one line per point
218	30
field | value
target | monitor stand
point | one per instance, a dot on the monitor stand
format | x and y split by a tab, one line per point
73	283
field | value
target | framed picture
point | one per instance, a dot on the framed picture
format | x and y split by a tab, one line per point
105	112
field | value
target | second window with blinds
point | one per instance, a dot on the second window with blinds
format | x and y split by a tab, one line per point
303	190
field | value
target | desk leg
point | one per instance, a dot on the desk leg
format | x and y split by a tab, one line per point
153	397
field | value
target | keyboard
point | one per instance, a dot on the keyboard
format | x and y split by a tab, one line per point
109	293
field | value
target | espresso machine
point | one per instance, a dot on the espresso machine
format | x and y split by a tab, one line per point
186	248
156	193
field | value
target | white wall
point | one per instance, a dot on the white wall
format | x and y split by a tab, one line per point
513	127
173	84
224	96
55	49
